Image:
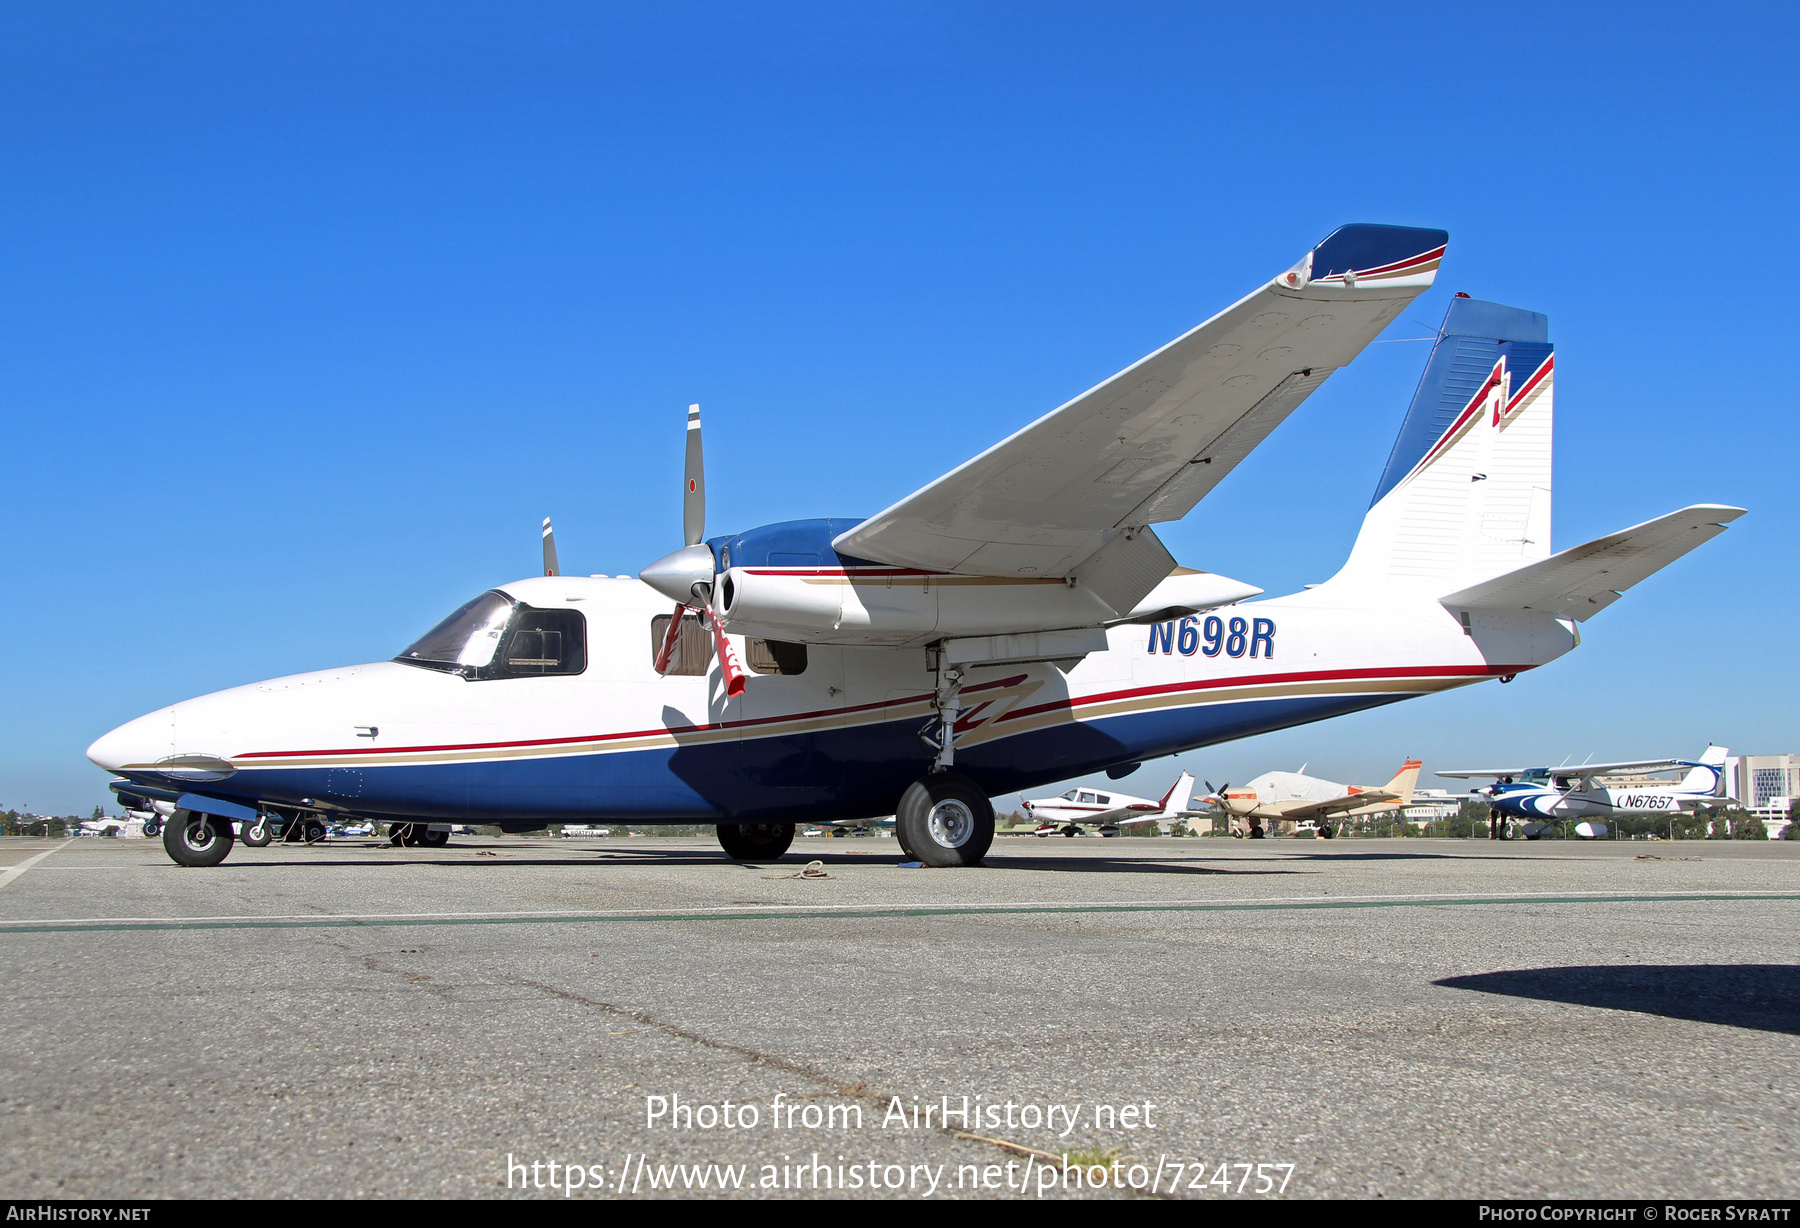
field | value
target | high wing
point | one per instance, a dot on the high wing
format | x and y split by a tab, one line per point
1074	493
1571	769
1580	582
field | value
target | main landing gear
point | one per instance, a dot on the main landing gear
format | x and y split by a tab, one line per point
194	839
944	820
417	836
303	831
755	841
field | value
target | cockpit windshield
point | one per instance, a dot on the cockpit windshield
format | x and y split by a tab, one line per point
466	640
1536	776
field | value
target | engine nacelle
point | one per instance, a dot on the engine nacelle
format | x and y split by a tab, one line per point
896	606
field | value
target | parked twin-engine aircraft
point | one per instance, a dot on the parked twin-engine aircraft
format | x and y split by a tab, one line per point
1594	790
1015	622
1295	797
1108	810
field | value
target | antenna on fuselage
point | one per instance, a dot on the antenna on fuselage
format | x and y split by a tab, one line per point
550	567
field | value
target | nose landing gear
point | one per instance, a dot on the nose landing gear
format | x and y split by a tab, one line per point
194	839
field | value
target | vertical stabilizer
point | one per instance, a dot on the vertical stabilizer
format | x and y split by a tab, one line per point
1709	776
1176	799
1405	781
1466	492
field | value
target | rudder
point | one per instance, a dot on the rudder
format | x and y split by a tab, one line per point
1465	494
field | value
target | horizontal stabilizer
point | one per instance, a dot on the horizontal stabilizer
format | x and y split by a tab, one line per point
1580	582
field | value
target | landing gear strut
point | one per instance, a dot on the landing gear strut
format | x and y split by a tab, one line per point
256	835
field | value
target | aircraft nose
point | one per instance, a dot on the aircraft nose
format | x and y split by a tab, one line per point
136	743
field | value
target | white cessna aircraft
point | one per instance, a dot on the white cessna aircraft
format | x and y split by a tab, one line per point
1013	623
1108	810
1584	791
1298	798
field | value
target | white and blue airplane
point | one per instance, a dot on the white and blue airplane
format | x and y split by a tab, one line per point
1013	623
1583	791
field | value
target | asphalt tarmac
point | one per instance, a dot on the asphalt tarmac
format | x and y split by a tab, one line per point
1361	1018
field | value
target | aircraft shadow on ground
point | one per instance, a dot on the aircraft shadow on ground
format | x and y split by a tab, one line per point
1761	996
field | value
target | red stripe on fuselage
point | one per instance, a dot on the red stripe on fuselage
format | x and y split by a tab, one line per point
1457	671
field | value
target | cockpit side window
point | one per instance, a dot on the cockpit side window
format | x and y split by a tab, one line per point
544	642
494	636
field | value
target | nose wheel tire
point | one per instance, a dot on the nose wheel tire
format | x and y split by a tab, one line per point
194	839
755	841
944	820
256	834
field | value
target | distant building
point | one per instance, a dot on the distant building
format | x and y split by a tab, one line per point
1765	784
1430	805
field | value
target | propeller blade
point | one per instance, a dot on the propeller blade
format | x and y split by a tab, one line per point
550	567
693	486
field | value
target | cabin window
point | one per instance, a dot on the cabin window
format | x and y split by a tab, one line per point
693	648
544	642
774	656
1088	798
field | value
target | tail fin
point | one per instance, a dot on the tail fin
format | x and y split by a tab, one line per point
1466	492
1176	799
1405	781
1709	775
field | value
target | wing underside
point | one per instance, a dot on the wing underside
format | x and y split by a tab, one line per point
1073	493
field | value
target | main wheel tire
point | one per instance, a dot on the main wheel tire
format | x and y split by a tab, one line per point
755	841
256	834
397	833
313	832
194	839
944	820
1325	832
433	839
152	829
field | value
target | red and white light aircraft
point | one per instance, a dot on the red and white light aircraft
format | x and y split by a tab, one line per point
1013	623
1108	809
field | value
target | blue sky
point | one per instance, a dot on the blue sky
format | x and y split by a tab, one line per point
312	312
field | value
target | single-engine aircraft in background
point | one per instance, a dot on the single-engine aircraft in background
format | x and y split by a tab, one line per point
1015	622
1531	799
1294	797
1108	809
